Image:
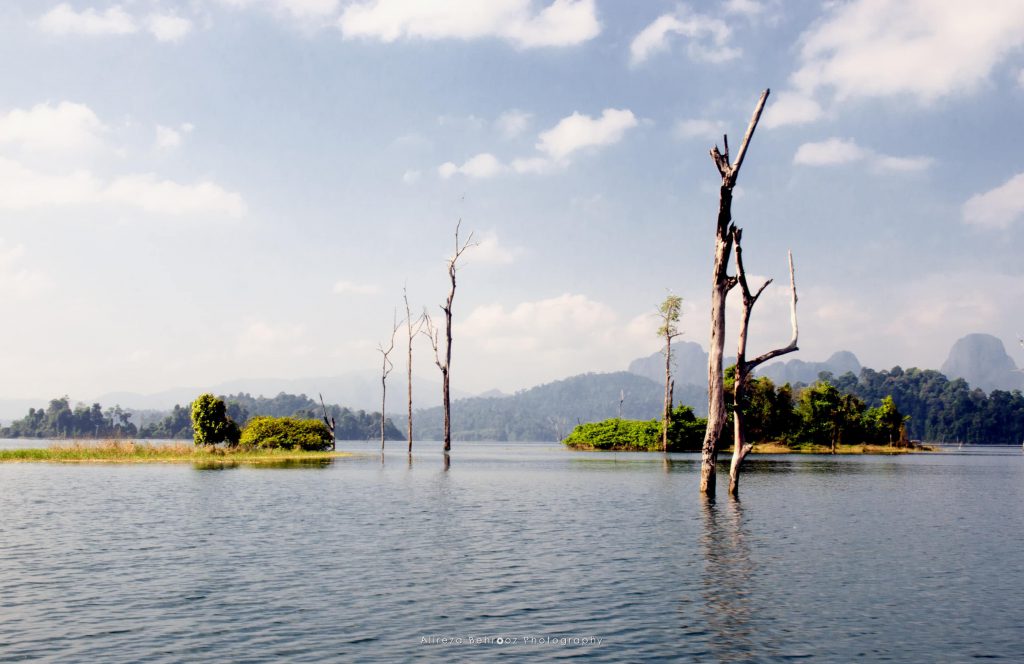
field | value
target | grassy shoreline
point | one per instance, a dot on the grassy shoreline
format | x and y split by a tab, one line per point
119	451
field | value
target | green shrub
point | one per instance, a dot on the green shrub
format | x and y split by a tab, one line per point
686	434
287	433
210	422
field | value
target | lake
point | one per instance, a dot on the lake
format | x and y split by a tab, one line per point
517	551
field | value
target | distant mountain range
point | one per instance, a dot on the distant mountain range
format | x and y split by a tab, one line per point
982	361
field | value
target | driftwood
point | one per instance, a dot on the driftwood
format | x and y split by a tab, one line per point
722	283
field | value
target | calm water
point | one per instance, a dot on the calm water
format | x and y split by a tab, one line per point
915	558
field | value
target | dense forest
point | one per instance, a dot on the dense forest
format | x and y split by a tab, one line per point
59	420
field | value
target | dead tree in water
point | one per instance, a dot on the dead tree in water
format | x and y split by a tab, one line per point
722	283
385	369
668	311
412	329
745	367
433	333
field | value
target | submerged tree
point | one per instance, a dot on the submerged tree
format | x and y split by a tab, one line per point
433	334
722	283
745	367
668	312
412	329
385	370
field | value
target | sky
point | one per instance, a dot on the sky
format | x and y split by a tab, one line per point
194	192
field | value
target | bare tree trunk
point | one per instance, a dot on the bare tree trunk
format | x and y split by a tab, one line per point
385	370
667	414
445	367
744	368
408	361
722	283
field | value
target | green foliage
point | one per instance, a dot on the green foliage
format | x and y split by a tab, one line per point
210	422
58	420
685	434
286	433
668	311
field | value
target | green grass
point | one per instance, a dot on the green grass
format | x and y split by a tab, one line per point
120	451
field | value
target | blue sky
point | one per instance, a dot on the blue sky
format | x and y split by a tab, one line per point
193	192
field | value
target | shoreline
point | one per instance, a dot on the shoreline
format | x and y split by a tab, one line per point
129	452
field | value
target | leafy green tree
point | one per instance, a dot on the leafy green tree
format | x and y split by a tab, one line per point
668	313
287	433
210	422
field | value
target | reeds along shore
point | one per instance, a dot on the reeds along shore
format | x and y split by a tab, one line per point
127	451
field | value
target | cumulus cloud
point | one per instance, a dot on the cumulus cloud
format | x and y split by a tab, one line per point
483	165
551	324
927	49
262	338
577	132
999	207
345	287
707	129
513	122
64	20
561	23
834	151
490	251
168	27
22	188
791	108
64	126
168	138
707	38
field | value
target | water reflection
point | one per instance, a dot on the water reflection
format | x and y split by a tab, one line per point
263	465
728	566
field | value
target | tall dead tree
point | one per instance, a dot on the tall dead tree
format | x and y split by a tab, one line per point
745	367
433	333
668	312
330	424
412	329
385	369
722	283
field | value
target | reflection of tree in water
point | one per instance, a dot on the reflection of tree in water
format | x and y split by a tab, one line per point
728	571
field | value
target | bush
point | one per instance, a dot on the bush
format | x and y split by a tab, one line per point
686	434
210	422
287	433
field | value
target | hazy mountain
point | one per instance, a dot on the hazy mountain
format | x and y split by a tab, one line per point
799	371
689	365
982	361
549	412
358	390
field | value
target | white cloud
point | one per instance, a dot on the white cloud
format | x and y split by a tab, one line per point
561	322
18	280
582	131
66	126
308	8
835	151
513	122
167	138
791	108
829	152
350	287
489	251
22	188
561	23
707	38
483	165
749	8
411	177
708	129
998	208
924	48
262	338
535	165
167	27
64	20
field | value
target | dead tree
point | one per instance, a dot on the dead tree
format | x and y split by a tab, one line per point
668	312
330	424
722	283
385	369
433	333
412	329
745	367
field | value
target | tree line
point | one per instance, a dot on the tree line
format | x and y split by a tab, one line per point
60	420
